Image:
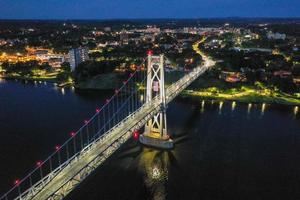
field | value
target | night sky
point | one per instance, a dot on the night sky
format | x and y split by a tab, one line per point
110	9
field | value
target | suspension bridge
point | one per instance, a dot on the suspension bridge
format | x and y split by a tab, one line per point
140	103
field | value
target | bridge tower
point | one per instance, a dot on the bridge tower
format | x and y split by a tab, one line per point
155	133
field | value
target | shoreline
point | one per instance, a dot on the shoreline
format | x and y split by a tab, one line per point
49	80
249	98
193	94
22	78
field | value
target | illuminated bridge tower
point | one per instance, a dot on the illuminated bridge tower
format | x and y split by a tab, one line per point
156	134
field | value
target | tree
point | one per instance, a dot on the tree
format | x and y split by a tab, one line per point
65	66
90	69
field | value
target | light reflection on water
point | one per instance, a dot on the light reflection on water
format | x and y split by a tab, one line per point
249	108
233	106
296	110
263	109
154	165
202	106
2	80
220	107
63	91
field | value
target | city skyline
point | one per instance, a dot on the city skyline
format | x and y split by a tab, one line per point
95	9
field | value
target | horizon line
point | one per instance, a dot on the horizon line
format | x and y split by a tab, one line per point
154	18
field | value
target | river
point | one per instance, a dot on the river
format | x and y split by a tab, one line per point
223	150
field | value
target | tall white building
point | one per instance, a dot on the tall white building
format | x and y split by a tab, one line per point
78	56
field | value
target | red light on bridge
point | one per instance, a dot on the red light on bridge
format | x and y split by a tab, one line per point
149	52
97	110
57	147
72	134
17	182
116	91
131	75
136	135
39	163
86	121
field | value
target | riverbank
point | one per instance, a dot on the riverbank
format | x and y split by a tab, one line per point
245	95
257	93
48	78
51	78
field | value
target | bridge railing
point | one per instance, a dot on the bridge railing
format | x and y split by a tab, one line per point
125	100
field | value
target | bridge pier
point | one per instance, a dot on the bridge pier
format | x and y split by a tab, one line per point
155	134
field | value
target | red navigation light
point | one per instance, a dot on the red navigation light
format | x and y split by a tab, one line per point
17	182
136	135
39	163
107	101
57	147
72	134
86	121
149	52
116	91
125	82
97	110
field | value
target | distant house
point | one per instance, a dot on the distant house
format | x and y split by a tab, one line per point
276	36
296	80
282	73
56	62
232	77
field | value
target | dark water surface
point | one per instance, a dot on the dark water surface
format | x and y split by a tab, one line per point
222	150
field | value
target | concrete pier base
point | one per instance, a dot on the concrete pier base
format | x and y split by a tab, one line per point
157	142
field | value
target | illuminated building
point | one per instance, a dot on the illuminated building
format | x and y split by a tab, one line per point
78	56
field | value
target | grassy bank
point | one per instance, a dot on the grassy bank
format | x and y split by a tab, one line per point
247	94
209	87
49	77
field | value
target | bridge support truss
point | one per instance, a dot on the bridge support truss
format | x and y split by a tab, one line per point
155	133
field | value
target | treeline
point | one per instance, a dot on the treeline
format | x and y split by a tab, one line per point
25	68
90	69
